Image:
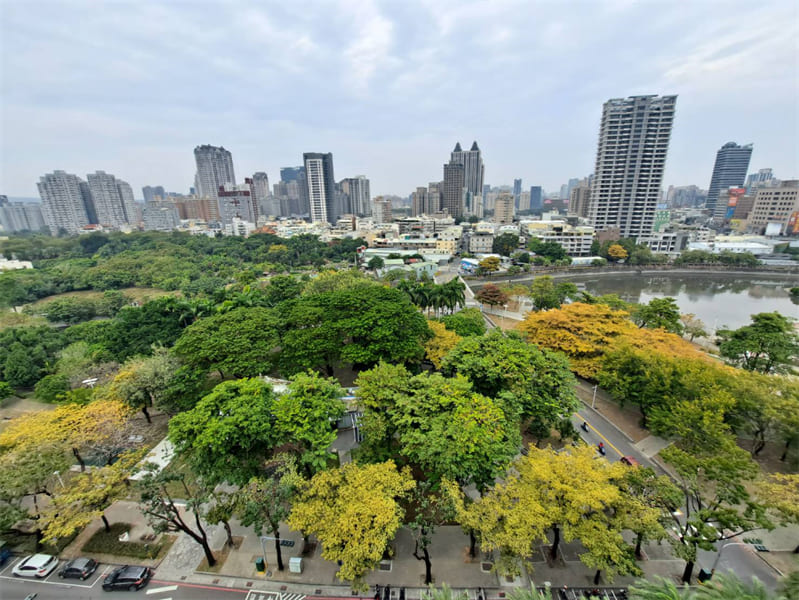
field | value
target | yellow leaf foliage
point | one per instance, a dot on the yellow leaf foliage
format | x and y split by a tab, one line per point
72	425
442	342
585	332
354	512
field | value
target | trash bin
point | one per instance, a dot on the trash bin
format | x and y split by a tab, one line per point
259	565
704	575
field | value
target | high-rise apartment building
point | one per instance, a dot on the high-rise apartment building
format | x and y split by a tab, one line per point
160	215
108	202
631	156
435	197
129	204
473	168
359	196
153	193
579	199
214	170
419	202
381	210
454	191
504	209
763	177
63	203
265	204
732	163
536	197
517	191
321	186
20	216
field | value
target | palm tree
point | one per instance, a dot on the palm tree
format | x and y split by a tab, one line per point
443	593
660	589
531	594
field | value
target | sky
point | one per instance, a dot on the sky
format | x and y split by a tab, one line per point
388	87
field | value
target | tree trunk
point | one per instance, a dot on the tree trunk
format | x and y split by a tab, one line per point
796	550
638	541
597	576
106	523
226	525
555	542
428	568
79	459
472	544
759	447
785	450
277	550
209	556
688	572
146	413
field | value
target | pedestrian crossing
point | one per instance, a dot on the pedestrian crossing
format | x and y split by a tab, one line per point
256	595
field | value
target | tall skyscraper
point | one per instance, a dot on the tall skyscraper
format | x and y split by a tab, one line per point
473	168
631	156
419	202
434	197
454	191
153	193
20	216
579	199
214	170
107	199
358	194
261	194
517	192
732	163
536	197
129	204
321	186
64	206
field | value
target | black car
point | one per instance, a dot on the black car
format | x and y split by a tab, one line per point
78	568
127	578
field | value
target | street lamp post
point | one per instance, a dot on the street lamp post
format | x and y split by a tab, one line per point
264	539
593	398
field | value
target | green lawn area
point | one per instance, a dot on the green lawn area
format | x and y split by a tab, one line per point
135	293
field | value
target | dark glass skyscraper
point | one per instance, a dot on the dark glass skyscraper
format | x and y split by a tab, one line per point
732	163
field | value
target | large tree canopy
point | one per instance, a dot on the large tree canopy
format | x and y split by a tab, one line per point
767	345
240	343
230	433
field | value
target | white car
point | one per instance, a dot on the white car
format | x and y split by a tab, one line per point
36	565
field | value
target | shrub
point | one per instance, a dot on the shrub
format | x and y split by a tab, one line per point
104	542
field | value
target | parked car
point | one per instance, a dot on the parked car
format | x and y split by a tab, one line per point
36	565
127	578
5	553
630	461
78	568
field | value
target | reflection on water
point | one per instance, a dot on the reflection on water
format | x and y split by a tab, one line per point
716	299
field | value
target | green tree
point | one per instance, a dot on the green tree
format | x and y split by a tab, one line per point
551	251
51	387
692	326
506	244
306	414
767	345
430	510
466	322
159	508
230	433
355	512
659	312
375	263
241	343
6	391
265	501
498	364
142	381
546	294
718	504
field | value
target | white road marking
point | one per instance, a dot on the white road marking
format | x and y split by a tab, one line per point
168	588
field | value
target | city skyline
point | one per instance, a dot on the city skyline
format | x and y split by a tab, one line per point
139	105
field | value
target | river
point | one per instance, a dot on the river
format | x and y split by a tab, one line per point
719	300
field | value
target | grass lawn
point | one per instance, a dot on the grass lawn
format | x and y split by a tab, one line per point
135	293
103	542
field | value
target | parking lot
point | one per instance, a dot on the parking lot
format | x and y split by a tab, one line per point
53	578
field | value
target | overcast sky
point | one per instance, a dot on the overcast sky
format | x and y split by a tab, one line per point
388	87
